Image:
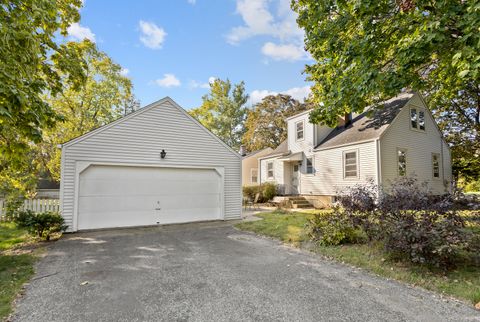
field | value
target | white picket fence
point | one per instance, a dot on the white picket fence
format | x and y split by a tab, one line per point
36	205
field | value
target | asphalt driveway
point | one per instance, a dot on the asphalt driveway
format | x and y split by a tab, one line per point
211	272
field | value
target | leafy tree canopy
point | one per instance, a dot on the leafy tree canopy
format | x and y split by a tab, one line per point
30	67
223	111
266	125
366	51
104	96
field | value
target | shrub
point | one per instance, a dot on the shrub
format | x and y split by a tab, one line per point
331	229
250	191
357	204
40	224
426	236
412	223
269	191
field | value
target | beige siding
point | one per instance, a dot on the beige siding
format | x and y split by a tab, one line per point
139	139
419	145
328	176
249	163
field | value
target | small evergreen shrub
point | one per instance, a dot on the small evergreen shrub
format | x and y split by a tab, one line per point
42	225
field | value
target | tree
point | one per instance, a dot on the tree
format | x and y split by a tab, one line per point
30	66
266	125
102	98
367	51
223	111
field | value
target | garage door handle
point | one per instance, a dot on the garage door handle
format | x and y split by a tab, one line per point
158	208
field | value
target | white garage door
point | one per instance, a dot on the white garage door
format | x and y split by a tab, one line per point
118	196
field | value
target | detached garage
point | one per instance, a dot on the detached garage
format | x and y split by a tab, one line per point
155	166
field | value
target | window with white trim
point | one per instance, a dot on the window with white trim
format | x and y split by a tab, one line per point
270	169
350	164
417	119
436	165
299	133
254	175
402	162
309	165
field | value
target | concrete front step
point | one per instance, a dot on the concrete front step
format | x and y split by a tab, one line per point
296	206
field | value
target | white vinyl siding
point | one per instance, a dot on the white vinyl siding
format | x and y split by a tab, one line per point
419	146
278	169
139	140
328	168
308	140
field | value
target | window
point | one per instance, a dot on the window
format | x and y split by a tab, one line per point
417	119
310	165
299	130
254	175
402	162
350	164
421	120
270	169
436	165
413	117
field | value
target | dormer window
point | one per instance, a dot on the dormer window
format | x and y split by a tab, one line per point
299	130
417	119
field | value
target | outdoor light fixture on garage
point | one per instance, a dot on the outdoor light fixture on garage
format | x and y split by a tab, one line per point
163	154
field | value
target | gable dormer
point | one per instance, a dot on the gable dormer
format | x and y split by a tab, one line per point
303	135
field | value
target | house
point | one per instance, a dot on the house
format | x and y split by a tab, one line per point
382	144
250	166
156	165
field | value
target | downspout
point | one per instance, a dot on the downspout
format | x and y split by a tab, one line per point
379	166
443	163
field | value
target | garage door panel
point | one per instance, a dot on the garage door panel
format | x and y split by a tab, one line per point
118	196
148	186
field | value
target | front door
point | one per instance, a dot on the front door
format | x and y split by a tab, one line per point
295	179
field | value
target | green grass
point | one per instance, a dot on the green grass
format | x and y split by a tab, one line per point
15	268
286	227
11	236
462	283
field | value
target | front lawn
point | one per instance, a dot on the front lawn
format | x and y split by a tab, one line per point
462	283
16	265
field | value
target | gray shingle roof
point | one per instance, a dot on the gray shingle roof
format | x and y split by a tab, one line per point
281	149
368	125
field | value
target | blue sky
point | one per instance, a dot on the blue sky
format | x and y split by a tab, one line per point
174	47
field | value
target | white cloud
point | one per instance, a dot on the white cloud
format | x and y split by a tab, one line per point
192	2
259	20
298	93
124	71
168	80
283	52
257	95
195	84
79	32
152	35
